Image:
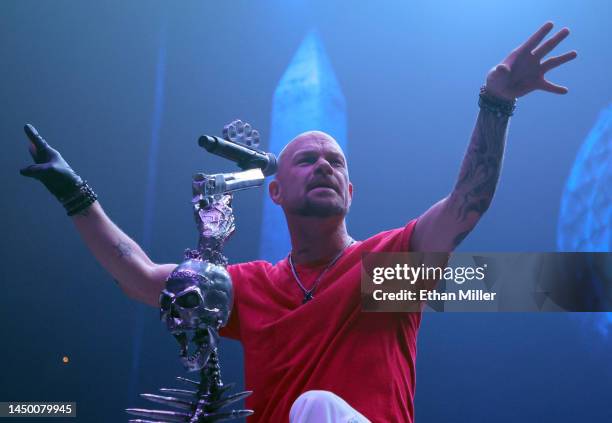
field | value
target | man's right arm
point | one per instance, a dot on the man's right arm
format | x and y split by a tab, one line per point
122	257
449	221
131	268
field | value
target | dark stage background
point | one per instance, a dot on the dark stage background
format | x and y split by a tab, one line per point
84	73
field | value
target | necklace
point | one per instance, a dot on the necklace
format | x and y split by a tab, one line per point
308	293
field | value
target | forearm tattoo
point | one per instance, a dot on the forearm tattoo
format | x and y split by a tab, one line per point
123	249
481	167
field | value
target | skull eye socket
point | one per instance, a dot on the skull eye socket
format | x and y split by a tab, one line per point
216	299
165	301
189	300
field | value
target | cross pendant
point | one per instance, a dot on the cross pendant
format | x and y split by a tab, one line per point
307	297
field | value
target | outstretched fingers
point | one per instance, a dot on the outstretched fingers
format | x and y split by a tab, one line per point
550	44
553	62
537	37
553	88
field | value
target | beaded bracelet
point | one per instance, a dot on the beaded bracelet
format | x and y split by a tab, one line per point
495	105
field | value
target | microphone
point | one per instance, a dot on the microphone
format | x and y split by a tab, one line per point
246	157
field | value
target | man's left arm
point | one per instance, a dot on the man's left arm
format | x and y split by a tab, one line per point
449	221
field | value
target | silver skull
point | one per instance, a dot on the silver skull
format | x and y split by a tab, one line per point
196	302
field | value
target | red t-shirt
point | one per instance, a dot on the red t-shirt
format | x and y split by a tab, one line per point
368	359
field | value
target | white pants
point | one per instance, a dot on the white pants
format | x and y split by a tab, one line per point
323	407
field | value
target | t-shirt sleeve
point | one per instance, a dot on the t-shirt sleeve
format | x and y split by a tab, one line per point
232	328
392	241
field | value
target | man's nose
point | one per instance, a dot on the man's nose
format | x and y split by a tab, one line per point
323	166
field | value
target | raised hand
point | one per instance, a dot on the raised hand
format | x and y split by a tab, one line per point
523	70
50	168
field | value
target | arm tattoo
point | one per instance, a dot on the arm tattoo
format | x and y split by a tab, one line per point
123	249
481	168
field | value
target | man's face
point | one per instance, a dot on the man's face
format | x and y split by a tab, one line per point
312	178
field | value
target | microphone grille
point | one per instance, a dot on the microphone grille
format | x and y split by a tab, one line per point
272	165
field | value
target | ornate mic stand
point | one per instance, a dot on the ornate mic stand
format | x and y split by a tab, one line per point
197	300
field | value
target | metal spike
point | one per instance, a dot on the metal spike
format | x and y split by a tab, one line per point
170	416
225	401
225	388
179	391
226	415
219	391
171	401
184	379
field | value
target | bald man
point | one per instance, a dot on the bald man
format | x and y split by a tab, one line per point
310	354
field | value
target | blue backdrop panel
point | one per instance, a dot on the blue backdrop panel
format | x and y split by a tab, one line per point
308	97
586	205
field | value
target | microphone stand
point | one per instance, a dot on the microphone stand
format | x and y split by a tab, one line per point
197	302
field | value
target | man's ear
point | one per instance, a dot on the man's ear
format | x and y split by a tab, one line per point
350	190
275	191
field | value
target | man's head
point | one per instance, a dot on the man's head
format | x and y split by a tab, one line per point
312	178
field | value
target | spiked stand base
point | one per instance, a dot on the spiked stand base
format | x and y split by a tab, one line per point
202	405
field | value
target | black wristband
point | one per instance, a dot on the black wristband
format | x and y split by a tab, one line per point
498	106
80	199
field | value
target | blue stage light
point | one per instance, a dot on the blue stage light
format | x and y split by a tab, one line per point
308	97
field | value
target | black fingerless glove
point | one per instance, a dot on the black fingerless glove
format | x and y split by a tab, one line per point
57	175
